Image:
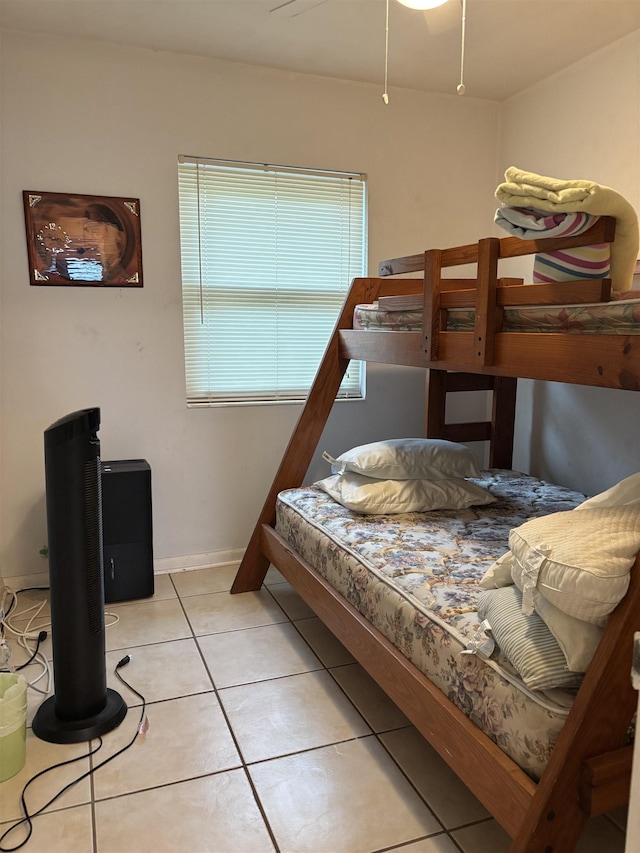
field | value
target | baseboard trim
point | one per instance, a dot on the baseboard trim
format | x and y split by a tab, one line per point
161	566
16	582
190	562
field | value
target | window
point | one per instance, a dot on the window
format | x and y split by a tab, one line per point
268	254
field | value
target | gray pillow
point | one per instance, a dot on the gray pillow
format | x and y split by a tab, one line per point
525	640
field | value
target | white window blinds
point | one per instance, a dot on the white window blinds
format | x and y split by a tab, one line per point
268	254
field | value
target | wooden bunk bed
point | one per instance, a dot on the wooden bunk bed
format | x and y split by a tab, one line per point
588	772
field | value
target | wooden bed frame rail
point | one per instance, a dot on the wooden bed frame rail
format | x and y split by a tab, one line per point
603	231
588	773
589	770
610	361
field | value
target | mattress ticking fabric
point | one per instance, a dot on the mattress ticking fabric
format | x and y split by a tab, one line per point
620	316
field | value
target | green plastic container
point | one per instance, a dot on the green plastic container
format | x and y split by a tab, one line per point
13	724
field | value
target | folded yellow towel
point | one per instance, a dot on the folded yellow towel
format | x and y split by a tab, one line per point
552	195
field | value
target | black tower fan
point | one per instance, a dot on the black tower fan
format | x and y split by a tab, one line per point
82	706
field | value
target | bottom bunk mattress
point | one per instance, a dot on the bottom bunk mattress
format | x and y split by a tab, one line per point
415	578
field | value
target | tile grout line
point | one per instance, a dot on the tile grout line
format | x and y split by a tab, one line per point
223	710
373	733
246	766
92	802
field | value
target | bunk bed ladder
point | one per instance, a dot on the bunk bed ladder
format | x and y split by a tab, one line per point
498	431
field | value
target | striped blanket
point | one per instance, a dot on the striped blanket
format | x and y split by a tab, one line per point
582	262
552	195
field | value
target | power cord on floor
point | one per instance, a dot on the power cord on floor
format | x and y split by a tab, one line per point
28	816
42	636
9	616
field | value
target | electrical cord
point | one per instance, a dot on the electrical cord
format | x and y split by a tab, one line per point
25	635
113	616
42	636
28	816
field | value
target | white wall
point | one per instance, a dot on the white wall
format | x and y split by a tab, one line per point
581	123
101	119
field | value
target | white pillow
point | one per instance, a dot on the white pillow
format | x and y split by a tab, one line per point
381	497
499	574
577	639
407	459
579	561
624	493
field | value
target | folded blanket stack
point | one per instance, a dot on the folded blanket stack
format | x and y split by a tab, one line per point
535	197
581	262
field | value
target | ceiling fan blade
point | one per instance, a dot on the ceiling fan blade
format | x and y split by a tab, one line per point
443	18
292	8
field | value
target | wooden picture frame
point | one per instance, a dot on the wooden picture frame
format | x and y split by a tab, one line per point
83	240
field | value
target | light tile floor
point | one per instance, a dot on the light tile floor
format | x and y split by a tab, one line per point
264	735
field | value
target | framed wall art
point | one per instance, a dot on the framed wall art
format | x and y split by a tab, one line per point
83	240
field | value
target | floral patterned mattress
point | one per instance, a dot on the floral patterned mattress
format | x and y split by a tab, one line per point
415	578
620	316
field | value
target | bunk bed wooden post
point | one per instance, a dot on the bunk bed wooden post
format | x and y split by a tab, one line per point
596	726
503	421
435	403
432	272
306	435
487	312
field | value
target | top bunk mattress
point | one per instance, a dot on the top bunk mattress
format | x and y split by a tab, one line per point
415	578
619	316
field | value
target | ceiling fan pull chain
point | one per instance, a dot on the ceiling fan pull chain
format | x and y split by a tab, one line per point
385	96
460	90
